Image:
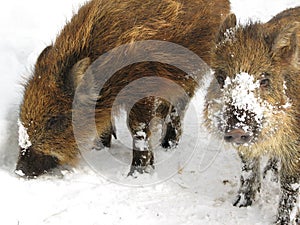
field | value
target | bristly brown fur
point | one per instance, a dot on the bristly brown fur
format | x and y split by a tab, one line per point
263	50
254	51
99	26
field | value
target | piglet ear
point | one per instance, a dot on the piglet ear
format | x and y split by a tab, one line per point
285	47
78	70
228	23
44	53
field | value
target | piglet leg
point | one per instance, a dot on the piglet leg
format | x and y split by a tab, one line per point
250	182
288	211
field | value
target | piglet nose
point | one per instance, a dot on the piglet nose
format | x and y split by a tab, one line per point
237	136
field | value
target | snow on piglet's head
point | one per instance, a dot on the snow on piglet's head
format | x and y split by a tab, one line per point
248	102
241	117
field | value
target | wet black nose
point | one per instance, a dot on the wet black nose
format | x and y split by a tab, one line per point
237	136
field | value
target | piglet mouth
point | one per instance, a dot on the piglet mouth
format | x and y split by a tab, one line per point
238	137
32	163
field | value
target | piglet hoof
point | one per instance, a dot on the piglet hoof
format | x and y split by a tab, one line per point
168	144
98	145
135	170
32	164
285	218
242	200
142	162
281	221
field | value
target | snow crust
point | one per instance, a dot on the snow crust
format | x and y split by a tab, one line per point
20	173
24	141
239	92
229	35
240	96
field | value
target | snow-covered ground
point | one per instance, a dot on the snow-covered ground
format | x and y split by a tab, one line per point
201	190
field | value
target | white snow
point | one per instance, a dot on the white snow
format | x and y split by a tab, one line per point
288	102
260	10
141	143
24	141
229	35
206	177
20	173
241	96
239	92
295	186
295	208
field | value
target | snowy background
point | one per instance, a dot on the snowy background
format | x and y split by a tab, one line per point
201	192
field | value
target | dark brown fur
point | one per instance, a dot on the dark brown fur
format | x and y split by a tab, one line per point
270	52
99	26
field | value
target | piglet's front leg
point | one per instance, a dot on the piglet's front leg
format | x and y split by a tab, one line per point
288	211
143	158
250	182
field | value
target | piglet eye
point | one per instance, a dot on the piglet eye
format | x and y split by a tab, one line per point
220	76
221	80
265	83
57	123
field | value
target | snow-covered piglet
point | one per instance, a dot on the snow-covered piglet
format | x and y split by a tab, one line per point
46	114
255	103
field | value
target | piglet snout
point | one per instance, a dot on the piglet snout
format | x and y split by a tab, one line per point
237	136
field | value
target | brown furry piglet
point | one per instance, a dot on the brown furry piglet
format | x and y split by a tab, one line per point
45	124
256	103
